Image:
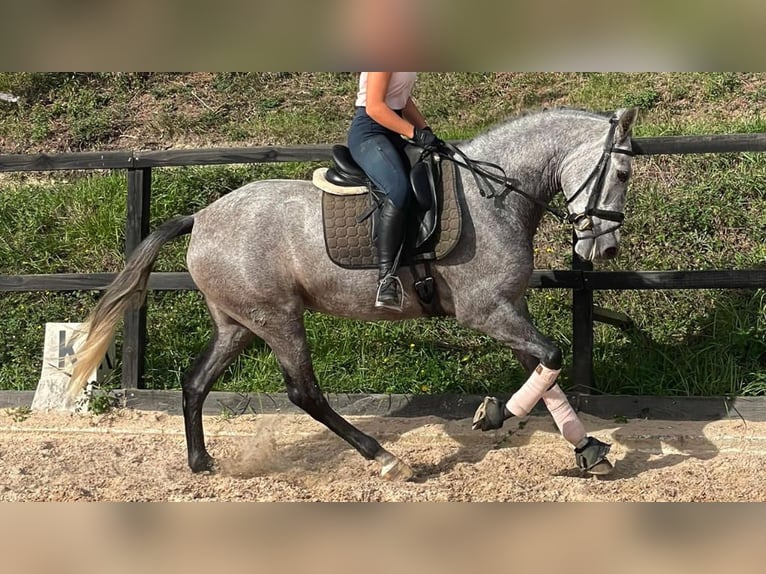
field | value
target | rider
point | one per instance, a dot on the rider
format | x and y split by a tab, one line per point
386	118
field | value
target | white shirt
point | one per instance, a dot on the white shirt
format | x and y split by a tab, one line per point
399	89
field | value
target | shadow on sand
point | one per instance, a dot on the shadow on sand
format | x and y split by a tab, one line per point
637	443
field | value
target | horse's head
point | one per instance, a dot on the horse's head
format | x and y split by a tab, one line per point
595	180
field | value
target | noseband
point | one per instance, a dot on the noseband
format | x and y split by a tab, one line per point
484	173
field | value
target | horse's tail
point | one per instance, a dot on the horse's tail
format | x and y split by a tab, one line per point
127	292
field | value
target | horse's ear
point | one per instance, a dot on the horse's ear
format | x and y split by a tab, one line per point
626	119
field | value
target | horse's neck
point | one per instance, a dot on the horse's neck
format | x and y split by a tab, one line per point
533	161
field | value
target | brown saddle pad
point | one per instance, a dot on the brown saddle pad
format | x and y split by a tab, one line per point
349	244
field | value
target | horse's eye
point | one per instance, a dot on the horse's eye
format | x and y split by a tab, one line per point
623	176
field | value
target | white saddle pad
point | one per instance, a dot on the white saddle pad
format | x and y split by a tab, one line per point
321	182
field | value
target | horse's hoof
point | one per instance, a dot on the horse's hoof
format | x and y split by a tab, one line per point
393	469
601	468
204	465
592	457
399	472
490	415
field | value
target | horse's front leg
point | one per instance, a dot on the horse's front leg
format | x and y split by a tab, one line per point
511	324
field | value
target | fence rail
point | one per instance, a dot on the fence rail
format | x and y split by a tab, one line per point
567	279
581	278
724	143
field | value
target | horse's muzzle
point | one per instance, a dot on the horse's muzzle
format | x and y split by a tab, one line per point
599	248
610	253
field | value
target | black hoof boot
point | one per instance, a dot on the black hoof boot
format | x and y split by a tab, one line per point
591	457
490	415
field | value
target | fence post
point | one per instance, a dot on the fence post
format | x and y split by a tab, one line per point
136	229
582	329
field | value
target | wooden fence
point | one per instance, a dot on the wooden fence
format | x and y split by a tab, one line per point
581	278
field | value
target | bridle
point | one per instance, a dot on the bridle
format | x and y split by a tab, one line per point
485	173
584	221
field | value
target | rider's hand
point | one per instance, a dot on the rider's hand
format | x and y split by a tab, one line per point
426	139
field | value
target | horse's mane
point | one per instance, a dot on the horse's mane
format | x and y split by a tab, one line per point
528	115
560	110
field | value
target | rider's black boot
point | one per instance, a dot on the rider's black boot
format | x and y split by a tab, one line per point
389	238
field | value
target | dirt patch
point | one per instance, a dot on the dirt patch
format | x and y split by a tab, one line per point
136	455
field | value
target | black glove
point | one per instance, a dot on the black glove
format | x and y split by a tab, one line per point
426	139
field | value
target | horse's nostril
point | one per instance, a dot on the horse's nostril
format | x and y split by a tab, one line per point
610	252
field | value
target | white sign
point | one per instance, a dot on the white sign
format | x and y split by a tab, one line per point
61	343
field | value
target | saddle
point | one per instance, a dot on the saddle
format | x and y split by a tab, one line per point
349	210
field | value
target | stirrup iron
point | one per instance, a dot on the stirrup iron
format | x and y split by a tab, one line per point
390	277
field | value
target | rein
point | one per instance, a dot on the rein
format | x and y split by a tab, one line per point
485	173
483	177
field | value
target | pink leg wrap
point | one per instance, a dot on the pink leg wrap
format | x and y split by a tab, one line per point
525	399
569	423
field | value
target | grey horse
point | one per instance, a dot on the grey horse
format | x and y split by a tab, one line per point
258	256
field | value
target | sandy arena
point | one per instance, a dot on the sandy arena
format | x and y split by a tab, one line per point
131	455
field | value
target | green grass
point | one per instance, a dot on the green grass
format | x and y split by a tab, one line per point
693	212
710	343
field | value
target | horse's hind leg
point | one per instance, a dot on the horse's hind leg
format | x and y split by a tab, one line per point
229	339
288	341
